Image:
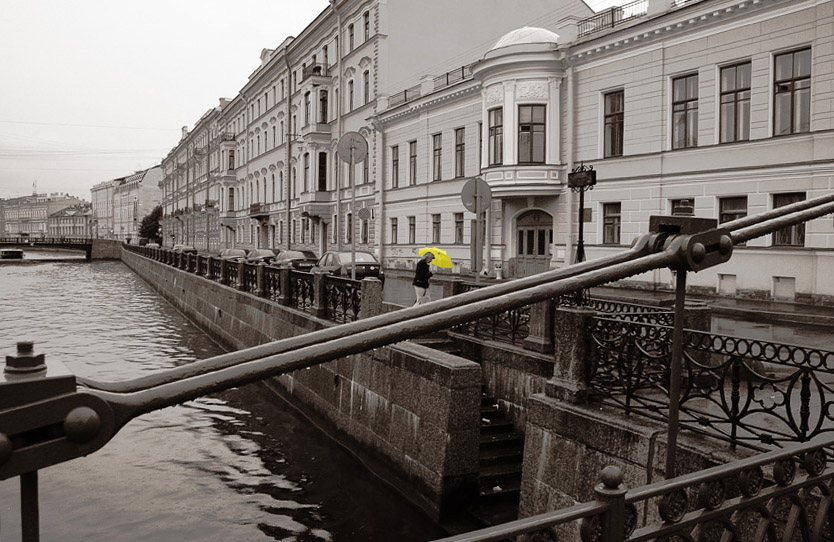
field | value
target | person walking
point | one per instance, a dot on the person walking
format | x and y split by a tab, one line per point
421	279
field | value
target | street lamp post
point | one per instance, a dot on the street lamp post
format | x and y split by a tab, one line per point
581	179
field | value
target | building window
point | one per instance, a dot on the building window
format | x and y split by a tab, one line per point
231	159
412	163
322	172
496	137
306	108
614	128
460	152
735	103
395	166
435	229
685	112
793	236
231	199
412	230
324	53
437	156
350	38
792	93
363	231
366	22
393	230
531	134
350	95
349	228
366	174
480	145
611	224
366	86
281	231
306	171
322	106
732	209
459	228
682	206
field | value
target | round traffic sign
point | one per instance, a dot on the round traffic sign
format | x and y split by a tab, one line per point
363	213
352	143
476	195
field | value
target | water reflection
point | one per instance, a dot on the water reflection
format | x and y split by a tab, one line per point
233	466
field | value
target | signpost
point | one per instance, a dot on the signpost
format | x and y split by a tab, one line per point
352	148
476	197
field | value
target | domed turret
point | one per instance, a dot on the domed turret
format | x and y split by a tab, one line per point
526	35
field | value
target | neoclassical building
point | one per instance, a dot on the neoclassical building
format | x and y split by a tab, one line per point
727	105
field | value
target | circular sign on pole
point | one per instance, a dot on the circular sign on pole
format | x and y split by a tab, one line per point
363	213
476	195
352	141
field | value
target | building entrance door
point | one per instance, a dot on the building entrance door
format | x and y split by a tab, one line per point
534	235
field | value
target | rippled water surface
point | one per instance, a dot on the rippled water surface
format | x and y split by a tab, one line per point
236	466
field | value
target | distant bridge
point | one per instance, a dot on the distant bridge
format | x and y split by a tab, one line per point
94	249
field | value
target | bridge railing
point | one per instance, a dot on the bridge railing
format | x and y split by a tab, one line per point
744	391
780	495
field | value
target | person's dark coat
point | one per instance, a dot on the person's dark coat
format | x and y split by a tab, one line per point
422	275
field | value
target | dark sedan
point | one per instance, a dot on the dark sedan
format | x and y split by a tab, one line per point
338	263
302	260
258	255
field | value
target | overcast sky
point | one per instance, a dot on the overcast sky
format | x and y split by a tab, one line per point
93	90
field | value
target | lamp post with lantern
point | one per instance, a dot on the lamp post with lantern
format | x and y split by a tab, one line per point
581	179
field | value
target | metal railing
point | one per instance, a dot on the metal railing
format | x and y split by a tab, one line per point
451	77
612	17
743	391
342	299
784	495
404	96
301	288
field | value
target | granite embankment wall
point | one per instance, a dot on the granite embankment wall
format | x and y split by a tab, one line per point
409	412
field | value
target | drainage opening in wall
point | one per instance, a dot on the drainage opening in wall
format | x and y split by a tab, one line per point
219	313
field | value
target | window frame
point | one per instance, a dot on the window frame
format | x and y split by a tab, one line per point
495	136
412	163
612	223
613	122
736	98
412	230
460	152
532	124
796	233
792	81
395	166
435	228
687	105
437	156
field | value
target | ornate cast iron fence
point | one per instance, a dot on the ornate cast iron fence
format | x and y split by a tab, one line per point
301	290
342	298
232	278
744	391
250	278
272	283
784	495
215	269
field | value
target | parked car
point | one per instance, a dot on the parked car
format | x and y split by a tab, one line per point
338	263
233	254
152	245
185	249
302	260
258	255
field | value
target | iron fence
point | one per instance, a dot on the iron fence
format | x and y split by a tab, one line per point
342	298
744	391
215	269
404	96
272	283
612	17
249	280
452	77
301	290
783	495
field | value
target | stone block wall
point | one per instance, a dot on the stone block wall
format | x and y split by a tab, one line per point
409	412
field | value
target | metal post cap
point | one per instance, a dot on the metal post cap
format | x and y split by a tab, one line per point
26	361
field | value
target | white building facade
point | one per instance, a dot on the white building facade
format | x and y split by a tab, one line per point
725	104
134	197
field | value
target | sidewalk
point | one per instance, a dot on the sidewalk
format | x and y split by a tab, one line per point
751	310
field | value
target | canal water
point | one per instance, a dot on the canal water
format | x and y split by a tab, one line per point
235	466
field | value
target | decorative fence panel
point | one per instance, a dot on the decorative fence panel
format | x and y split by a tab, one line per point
744	391
301	290
342	298
272	283
250	278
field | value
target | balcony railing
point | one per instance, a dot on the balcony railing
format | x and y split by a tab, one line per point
455	76
612	17
405	96
314	70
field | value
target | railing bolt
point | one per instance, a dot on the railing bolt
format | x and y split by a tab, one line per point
26	361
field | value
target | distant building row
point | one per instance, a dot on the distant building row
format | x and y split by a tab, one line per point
45	215
119	205
726	104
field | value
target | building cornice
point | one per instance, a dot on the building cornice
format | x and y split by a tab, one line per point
418	105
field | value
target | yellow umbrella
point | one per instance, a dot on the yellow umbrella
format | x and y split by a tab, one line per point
441	258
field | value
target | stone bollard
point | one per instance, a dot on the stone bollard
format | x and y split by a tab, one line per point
540	338
571	354
260	286
319	307
285	285
371	303
241	281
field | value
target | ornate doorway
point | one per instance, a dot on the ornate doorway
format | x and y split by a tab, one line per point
534	235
